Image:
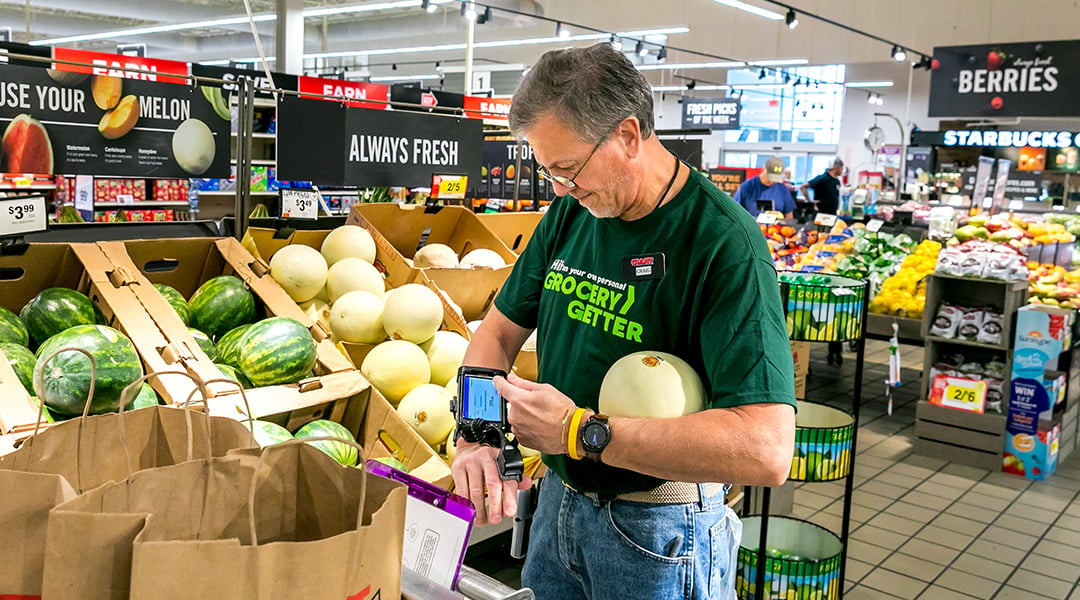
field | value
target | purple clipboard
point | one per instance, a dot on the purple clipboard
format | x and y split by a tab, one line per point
426	501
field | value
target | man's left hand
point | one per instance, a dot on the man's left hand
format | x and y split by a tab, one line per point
536	412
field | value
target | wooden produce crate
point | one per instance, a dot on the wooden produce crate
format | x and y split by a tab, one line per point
958	436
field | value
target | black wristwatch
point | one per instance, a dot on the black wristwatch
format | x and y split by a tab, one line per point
595	435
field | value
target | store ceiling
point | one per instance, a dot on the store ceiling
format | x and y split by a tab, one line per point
714	29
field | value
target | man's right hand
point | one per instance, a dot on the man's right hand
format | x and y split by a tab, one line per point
474	471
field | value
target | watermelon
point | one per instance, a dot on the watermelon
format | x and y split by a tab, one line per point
275	351
12	329
176	301
221	304
267	433
228	346
231	373
205	343
64	381
147	397
99	317
54	310
343	453
22	361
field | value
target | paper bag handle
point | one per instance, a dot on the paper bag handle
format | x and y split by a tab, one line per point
126	396
243	396
262	458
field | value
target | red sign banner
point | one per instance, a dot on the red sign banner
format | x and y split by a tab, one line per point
355	92
478	107
112	65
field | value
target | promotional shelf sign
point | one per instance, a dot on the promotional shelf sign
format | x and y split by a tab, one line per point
716	113
353	92
104	120
263	85
1033	79
365	147
727	179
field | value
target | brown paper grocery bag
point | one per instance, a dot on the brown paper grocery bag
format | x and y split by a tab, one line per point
53	466
321	531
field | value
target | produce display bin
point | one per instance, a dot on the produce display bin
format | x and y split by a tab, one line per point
802	561
515	229
823	437
823	308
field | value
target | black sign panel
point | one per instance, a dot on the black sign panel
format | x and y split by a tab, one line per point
718	113
1020	184
688	151
425	97
500	171
130	127
329	144
1034	79
263	85
727	179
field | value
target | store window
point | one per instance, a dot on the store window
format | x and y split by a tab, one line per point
787	112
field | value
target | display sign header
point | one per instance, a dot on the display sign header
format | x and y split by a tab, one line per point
997	139
717	113
354	92
1032	79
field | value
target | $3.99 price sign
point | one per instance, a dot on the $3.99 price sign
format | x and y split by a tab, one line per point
449	187
22	215
299	204
959	393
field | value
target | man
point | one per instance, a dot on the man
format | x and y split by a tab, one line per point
636	518
826	189
767	186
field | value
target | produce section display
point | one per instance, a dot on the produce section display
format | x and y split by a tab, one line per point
904	293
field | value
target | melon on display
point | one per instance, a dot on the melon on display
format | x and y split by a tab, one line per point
348	241
267	433
357	318
451	447
300	269
343	453
427	410
12	329
482	257
445	352
22	361
65	376
54	310
318	310
413	313
221	304
26	147
651	384
396	368
351	274
436	256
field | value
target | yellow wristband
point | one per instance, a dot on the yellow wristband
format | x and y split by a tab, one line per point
571	436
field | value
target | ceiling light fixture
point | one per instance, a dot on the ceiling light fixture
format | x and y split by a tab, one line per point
661	55
791	20
898	54
561	31
750	8
616	43
641	49
761	74
868	84
438	66
468	10
485	17
692	84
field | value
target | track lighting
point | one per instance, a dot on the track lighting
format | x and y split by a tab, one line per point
438	66
761	74
468	11
898	54
616	43
661	55
641	49
428	6
561	31
691	85
484	17
791	20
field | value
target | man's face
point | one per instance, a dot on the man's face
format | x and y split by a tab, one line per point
600	183
836	171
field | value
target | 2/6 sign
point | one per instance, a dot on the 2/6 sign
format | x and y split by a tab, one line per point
22	215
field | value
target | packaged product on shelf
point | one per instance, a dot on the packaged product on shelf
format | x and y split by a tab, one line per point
995	394
947	321
970	324
258	179
990	330
949	261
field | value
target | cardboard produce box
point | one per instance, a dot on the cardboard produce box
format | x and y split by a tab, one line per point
400	230
187	263
18	412
515	229
83	267
386	434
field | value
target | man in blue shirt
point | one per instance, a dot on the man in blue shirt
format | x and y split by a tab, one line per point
768	186
826	188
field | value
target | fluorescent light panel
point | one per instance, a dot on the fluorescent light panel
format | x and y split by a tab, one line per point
723	65
404	78
869	84
750	8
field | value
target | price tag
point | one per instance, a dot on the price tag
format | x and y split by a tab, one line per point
125	199
956	201
22	181
493	205
959	393
766	218
825	220
22	215
449	187
84	194
299	204
1016	205
874	225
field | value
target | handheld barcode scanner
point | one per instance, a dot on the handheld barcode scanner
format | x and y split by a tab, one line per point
480	413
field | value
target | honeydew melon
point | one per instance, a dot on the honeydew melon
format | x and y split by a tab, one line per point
445	352
438	256
651	384
413	313
356	317
482	257
348	241
395	368
427	410
351	274
300	269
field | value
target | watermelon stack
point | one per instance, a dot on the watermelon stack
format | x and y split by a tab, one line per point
55	310
176	301
221	304
12	328
62	381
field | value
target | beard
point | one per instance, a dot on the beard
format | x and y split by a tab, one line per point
609	201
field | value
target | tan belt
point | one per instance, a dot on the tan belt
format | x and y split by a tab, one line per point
669	492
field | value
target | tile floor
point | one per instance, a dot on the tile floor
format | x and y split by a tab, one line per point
925	528
921	528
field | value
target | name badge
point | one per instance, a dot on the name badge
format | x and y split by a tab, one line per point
645	266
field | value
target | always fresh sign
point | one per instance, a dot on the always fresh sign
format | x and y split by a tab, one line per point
1033	79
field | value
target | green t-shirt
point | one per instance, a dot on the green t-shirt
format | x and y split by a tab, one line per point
717	307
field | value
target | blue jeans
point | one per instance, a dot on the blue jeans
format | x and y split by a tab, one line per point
582	548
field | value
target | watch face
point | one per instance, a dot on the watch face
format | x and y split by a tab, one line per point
595	436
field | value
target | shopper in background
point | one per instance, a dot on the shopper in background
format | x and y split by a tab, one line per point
768	186
826	188
618	523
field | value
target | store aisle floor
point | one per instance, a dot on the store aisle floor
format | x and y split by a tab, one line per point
925	528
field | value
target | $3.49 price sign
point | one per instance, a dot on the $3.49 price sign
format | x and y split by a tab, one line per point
22	215
959	393
449	187
299	204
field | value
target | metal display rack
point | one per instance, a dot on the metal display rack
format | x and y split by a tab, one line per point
796	558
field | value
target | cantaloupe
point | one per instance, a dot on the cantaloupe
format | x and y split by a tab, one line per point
348	241
651	384
445	352
413	313
350	274
356	317
300	270
438	256
482	257
395	368
427	410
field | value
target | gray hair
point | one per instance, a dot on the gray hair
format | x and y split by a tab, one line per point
591	90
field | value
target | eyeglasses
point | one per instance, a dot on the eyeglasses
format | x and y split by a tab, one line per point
568	182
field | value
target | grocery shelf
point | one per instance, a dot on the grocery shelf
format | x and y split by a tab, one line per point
233	193
260	136
980	280
963	342
24	188
142	204
259	162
